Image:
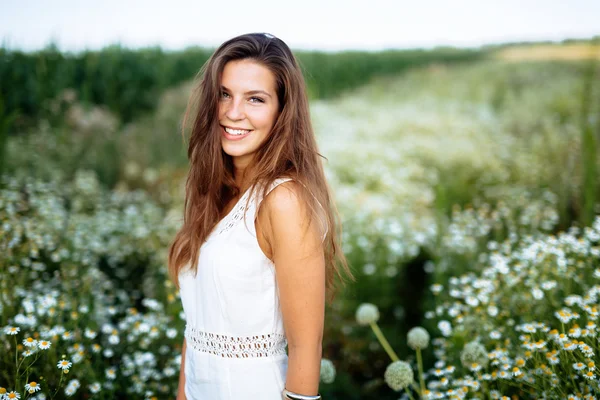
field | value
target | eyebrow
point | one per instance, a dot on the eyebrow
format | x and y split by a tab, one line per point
249	92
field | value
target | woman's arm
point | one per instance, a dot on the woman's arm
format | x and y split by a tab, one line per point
297	252
181	387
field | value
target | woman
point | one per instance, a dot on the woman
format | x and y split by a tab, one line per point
258	251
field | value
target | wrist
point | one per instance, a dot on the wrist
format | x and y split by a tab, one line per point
287	395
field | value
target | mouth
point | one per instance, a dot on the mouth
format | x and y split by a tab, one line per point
235	134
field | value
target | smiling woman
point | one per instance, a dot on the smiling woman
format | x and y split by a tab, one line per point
256	257
247	109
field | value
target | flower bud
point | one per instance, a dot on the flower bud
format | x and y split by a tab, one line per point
418	338
367	313
474	352
398	375
327	371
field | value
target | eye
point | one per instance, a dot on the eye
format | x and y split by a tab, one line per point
258	99
224	94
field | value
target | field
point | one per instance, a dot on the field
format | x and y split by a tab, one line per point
469	196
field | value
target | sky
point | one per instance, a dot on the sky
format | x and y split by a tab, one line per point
76	25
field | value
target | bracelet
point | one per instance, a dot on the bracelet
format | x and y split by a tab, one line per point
295	396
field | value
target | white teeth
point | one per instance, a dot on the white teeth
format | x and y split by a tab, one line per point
235	131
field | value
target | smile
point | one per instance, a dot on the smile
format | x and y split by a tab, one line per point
235	134
232	131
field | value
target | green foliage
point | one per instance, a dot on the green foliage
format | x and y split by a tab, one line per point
129	81
439	175
590	141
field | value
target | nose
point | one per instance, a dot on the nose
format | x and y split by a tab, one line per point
234	110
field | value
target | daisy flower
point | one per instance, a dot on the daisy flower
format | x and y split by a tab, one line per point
95	387
111	373
12	395
44	344
589	375
29	342
64	364
578	366
32	387
12	330
27	353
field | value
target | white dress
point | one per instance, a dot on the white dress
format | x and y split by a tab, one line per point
236	344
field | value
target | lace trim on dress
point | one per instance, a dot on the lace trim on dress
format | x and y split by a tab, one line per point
264	345
235	215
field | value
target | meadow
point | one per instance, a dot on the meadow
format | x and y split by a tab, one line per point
469	196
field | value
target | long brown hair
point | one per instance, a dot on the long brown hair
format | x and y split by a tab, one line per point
289	150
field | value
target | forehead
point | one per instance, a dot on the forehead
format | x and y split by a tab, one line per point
247	75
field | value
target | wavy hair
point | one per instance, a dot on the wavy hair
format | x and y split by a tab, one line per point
289	150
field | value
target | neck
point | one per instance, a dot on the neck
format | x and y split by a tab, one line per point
240	173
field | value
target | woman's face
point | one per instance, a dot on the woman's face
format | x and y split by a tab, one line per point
248	107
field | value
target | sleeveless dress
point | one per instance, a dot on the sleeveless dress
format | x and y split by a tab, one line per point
236	343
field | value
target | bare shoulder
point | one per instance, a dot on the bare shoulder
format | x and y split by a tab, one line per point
284	223
285	199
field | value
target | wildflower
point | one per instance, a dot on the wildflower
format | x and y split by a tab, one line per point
587	350
327	371
2	392
75	383
44	344
111	373
113	339
445	327
29	342
475	367
570	346
171	333
589	375
398	375
495	335
95	387
494	394
504	375
27	353
367	313
474	352
579	366
12	330
591	365
32	387
418	338
90	334
64	364
436	288
12	395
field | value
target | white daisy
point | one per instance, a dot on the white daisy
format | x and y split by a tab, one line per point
12	330
30	342
95	387
64	364
111	373
32	387
44	344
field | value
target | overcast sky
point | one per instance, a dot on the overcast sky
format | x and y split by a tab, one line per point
302	24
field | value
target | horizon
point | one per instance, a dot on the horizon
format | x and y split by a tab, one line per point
332	26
